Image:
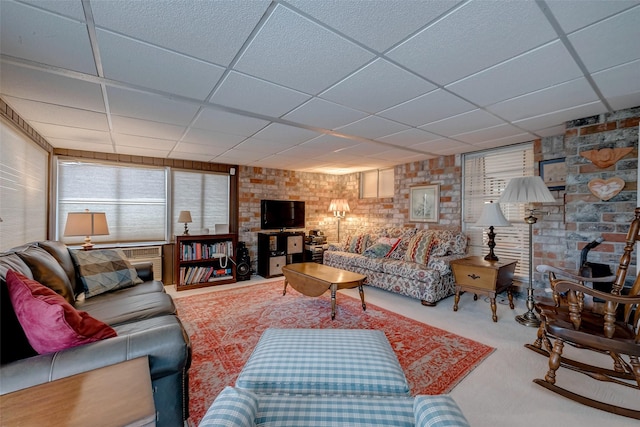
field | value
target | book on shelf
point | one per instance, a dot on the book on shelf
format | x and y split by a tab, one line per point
191	275
196	251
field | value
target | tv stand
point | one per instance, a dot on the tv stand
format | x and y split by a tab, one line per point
277	249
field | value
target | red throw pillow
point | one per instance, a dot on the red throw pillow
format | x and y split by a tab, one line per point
48	320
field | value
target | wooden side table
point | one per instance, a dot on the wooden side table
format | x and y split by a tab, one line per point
116	395
475	274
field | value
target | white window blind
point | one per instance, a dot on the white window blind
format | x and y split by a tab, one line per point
485	176
134	199
23	189
377	183
205	195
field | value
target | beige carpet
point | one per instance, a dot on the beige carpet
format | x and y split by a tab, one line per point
500	391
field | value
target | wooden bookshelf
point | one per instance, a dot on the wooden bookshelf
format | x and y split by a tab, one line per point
205	260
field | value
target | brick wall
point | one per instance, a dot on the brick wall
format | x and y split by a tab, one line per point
579	217
317	190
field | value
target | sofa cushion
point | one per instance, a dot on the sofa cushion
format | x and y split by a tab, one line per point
318	361
405	237
438	411
60	252
382	247
104	270
50	323
46	270
233	407
115	308
358	243
419	247
411	271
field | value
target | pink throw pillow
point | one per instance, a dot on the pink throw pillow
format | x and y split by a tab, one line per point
48	320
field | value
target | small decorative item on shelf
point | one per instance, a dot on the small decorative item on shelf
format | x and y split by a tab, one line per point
185	217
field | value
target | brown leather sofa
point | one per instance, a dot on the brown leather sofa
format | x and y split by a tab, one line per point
143	316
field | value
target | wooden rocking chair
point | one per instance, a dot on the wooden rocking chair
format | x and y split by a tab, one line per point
612	328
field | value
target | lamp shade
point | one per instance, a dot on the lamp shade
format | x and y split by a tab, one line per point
185	217
492	216
339	205
526	189
86	224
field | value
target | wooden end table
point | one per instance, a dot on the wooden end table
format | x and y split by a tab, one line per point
475	274
117	395
313	279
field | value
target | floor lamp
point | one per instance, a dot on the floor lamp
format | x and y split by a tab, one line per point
528	189
339	207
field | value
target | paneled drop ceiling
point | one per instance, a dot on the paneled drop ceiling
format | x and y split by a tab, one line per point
332	86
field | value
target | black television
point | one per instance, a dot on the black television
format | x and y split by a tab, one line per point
281	214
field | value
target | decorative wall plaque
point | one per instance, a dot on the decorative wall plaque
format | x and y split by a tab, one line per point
604	189
606	157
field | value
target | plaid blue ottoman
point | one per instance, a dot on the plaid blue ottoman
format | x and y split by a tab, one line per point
324	361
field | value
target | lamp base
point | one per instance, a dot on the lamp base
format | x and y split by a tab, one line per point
491	257
528	319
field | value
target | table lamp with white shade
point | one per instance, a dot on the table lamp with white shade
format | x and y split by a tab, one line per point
492	216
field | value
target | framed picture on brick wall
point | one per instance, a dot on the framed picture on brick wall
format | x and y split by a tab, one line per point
554	173
424	203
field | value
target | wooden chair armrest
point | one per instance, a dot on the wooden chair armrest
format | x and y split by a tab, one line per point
565	285
550	269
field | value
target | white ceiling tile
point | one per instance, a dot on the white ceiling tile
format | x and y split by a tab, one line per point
625	101
36	35
262	146
324	114
36	85
131	126
201	149
557	118
378	86
427	108
185	155
553	98
122	140
307	57
619	81
140	151
465	122
238	157
213	31
283	133
372	127
488	134
551	131
398	156
79	144
476	36
131	61
70	8
442	146
54	114
212	138
611	42
543	67
221	121
326	143
408	137
51	131
573	15
507	140
364	149
150	107
257	96
378	24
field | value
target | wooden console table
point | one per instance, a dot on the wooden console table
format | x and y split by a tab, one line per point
475	274
117	395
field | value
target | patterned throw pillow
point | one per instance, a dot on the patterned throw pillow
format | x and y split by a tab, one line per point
382	247
401	248
104	270
50	323
358	243
420	247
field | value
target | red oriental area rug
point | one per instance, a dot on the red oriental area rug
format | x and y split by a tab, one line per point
225	326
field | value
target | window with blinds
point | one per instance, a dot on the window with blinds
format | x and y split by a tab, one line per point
205	195
377	183
23	189
485	176
134	199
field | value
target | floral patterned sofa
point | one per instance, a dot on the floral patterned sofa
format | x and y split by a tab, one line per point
408	261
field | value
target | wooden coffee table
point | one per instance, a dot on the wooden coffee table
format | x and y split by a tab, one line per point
313	279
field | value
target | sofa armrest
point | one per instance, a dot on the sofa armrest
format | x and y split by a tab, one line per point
144	270
162	339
